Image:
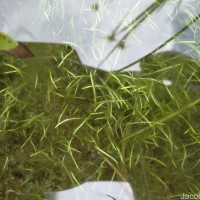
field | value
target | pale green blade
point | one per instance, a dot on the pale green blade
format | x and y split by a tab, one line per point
6	42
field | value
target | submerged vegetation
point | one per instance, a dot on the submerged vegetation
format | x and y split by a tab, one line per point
62	124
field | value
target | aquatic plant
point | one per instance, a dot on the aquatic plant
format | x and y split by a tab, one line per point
62	123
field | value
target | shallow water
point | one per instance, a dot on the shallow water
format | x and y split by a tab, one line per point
62	124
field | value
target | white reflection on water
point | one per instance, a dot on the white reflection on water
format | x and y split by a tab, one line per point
78	24
167	82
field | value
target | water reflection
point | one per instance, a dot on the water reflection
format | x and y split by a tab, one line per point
135	28
98	190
